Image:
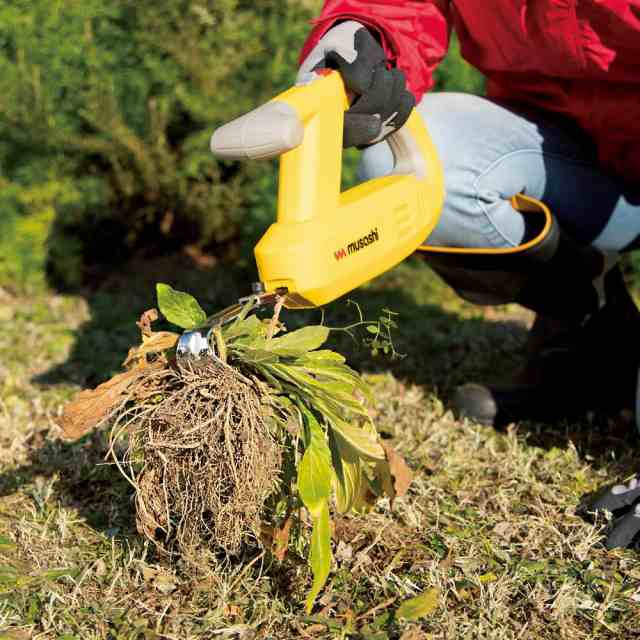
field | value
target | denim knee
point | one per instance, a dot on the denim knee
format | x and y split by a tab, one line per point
472	215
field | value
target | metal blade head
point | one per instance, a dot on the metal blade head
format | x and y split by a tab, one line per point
193	344
196	344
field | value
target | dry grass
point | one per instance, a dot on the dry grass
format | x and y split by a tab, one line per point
490	519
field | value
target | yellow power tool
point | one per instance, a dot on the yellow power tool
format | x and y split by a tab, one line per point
324	242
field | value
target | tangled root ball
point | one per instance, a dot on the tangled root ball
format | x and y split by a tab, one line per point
210	458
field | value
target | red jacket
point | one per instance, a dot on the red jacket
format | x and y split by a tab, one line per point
580	58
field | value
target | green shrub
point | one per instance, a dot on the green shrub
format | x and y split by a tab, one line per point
27	216
120	99
106	109
454	74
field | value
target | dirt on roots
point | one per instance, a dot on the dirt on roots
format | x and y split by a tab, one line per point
201	456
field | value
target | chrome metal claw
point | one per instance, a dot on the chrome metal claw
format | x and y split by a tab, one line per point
197	344
193	344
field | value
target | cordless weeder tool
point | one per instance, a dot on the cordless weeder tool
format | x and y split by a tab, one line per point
325	242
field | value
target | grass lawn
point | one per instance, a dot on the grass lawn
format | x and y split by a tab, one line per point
489	520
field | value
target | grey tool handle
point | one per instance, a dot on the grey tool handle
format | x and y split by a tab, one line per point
266	132
274	128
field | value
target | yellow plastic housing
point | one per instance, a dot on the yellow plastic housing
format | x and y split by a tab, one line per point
326	243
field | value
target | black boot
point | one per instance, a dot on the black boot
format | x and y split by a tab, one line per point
583	352
572	367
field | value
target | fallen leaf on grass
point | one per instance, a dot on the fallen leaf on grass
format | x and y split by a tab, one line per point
232	611
393	474
100	568
89	408
420	606
402	475
344	552
315	629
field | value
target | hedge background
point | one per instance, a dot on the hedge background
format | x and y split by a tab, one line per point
106	109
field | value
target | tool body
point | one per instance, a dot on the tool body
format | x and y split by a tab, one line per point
324	242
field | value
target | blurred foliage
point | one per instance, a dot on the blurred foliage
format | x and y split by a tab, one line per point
105	115
454	74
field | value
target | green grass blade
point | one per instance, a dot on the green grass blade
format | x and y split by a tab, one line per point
320	556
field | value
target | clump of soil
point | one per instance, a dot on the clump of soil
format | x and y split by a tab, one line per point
210	458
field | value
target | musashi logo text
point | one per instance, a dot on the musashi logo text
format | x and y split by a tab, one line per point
361	243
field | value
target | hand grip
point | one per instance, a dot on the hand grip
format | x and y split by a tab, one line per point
279	126
310	174
266	132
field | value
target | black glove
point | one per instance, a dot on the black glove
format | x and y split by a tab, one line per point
623	501
382	102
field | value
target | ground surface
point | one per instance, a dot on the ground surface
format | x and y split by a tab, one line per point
489	520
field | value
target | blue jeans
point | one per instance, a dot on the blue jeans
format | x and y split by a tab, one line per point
490	152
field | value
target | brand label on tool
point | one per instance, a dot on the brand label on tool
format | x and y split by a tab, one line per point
357	245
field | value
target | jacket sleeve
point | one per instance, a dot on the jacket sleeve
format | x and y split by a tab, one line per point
414	33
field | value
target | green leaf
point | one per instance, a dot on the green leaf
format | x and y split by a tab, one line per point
421	606
321	357
315	472
301	376
179	308
324	397
54	574
259	356
348	473
250	329
334	409
265	372
298	343
335	372
382	484
358	441
320	554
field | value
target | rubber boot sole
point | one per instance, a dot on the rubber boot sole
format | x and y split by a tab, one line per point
496	406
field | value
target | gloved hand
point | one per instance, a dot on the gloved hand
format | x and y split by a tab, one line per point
382	102
623	501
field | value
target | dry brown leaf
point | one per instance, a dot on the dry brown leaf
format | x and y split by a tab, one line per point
402	475
315	629
144	324
89	408
281	539
18	634
152	343
232	611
